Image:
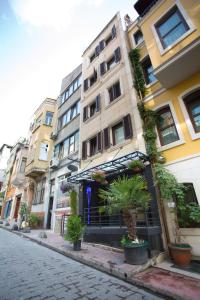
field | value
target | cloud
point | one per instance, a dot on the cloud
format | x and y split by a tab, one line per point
48	13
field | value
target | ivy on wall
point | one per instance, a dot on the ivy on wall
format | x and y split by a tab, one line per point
168	185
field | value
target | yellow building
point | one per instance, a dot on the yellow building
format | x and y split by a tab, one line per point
168	36
39	156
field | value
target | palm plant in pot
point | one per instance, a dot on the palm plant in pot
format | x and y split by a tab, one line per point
128	194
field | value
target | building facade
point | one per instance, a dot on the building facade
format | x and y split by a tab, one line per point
110	134
15	181
39	156
66	147
168	36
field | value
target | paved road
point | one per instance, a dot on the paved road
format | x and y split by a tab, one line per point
30	271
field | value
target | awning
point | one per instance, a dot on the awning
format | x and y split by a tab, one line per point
112	167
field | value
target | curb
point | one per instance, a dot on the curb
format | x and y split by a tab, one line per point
127	277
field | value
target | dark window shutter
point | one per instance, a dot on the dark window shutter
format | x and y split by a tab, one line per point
85	113
85	84
106	137
102	68
101	45
128	132
84	150
97	103
113	32
99	141
117	55
97	50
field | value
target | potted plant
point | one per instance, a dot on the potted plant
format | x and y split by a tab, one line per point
74	231
136	165
66	186
99	176
128	194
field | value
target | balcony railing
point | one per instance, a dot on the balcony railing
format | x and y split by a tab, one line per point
96	216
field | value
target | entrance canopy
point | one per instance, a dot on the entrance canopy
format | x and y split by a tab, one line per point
112	167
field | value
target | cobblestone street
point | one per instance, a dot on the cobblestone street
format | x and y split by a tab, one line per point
30	271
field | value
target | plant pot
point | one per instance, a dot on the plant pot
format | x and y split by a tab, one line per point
77	245
137	170
181	254
136	254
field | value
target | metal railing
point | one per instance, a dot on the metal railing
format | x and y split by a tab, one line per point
94	216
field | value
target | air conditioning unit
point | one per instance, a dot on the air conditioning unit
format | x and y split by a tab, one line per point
54	135
54	163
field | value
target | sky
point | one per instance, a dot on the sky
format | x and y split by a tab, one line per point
41	41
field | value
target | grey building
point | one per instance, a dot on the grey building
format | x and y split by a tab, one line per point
65	160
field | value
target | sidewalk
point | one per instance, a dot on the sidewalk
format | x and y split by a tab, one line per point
160	279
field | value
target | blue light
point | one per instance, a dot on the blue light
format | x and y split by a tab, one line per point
88	192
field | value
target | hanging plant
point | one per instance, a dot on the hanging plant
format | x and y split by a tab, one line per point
99	176
136	165
66	187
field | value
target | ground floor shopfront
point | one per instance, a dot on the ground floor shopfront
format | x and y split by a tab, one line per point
102	227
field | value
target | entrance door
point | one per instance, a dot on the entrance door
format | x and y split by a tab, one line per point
17	208
49	213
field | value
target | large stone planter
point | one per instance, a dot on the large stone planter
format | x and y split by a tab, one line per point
136	254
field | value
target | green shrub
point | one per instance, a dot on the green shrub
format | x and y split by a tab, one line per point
136	164
73	202
74	228
34	220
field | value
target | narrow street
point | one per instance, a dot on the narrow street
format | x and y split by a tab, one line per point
30	271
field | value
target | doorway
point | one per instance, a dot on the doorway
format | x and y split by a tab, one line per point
49	213
17	208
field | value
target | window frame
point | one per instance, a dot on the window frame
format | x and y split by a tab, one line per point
194	135
187	20
111	90
159	130
181	138
144	62
115	127
47	118
188	103
134	38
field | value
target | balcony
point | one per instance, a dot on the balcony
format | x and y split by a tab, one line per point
180	66
34	170
18	179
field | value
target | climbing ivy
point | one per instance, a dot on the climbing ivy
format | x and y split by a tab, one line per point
167	182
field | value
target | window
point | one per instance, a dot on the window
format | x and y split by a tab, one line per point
118	133
166	127
40	191
138	37
108	40
93	146
23	165
111	63
70	114
92	109
92	57
114	91
65	147
171	27
43	151
63	199
93	78
192	103
48	118
148	71
71	89
68	146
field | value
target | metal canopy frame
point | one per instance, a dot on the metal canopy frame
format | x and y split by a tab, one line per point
112	167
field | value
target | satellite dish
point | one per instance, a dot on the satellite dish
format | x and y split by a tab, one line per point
72	168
